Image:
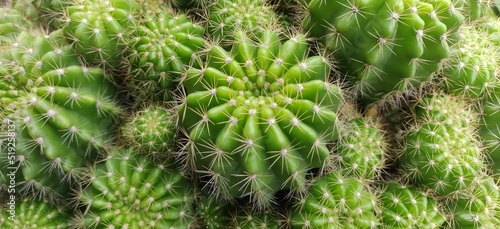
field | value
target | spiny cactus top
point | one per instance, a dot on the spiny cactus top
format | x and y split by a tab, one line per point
64	112
259	116
98	30
128	191
161	47
151	130
335	201
385	47
441	151
228	17
33	213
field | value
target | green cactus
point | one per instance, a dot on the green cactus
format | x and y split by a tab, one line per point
385	48
244	217
362	148
335	201
472	66
98	30
476	207
211	213
407	207
33	213
160	49
440	151
258	117
12	22
128	191
151	130
64	112
490	126
477	9
229	17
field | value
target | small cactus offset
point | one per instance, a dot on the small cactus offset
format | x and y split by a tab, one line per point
335	201
385	48
98	30
476	207
441	151
362	148
405	206
259	117
472	67
33	213
228	17
129	191
151	131
211	213
64	112
161	47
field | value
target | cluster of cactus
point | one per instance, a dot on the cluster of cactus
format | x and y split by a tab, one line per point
250	114
259	116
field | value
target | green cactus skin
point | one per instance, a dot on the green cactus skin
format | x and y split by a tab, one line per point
361	151
258	117
335	201
228	17
407	207
161	48
12	22
64	112
385	48
246	218
34	213
490	126
441	151
151	131
476	207
472	66
98	30
128	191
477	9
213	214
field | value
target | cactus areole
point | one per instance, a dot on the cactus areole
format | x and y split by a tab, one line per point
259	116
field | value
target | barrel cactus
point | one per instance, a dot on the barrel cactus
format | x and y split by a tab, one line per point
405	206
385	48
98	30
64	112
30	212
161	47
441	151
151	130
129	191
258	117
335	201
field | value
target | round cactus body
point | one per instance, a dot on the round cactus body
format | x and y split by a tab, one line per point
259	117
476	207
229	17
245	218
472	66
151	131
362	149
441	152
161	47
128	191
33	213
335	201
408	207
213	214
385	48
64	113
98	30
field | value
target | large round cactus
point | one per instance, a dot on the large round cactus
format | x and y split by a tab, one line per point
64	112
385	48
128	191
33	213
259	117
